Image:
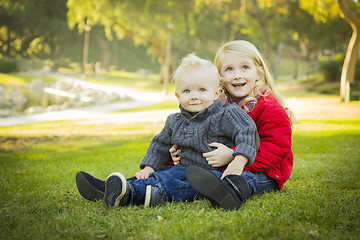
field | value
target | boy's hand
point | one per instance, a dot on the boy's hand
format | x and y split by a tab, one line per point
144	173
220	156
236	166
174	152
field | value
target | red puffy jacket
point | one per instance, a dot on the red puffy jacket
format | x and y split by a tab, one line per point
274	157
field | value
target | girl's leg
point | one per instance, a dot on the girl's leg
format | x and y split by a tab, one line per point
259	182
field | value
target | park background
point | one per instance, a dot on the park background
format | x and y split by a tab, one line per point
132	47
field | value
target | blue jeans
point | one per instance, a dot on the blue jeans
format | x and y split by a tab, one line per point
172	183
259	182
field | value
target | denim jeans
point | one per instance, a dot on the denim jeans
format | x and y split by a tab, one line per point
172	183
259	182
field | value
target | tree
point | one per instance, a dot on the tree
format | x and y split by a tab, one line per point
349	13
266	13
33	29
323	10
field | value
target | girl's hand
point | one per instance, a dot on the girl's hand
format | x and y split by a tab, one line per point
174	152
144	173
220	156
236	166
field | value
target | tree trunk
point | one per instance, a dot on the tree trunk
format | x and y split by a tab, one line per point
348	12
105	52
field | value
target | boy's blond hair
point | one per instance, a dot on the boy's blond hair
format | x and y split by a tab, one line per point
247	49
191	61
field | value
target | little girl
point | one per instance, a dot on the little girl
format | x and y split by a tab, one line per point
248	84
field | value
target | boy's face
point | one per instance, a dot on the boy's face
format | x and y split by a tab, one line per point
240	74
197	89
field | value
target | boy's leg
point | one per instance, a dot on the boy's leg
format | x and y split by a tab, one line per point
176	188
173	174
90	187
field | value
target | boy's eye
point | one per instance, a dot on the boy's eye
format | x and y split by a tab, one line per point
186	91
202	90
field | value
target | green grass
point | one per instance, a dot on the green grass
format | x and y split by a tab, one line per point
21	79
39	199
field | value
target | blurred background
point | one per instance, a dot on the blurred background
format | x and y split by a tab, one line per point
139	42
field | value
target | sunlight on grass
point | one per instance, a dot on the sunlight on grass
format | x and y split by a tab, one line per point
20	78
11	79
39	200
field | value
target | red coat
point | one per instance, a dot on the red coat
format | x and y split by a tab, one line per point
274	157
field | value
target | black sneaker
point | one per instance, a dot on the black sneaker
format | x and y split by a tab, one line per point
117	190
219	192
90	187
153	197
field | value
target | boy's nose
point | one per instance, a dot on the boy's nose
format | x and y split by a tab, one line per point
194	97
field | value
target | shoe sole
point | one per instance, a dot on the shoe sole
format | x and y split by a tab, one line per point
147	196
86	189
115	188
209	185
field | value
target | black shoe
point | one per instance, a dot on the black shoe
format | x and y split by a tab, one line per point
90	187
153	197
117	190
229	193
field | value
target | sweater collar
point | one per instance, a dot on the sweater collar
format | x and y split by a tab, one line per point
204	113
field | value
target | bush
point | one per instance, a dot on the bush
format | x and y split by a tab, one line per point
7	65
331	70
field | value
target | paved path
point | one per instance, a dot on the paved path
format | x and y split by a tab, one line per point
303	109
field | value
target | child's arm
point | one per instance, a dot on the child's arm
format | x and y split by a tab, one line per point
144	173
236	166
219	157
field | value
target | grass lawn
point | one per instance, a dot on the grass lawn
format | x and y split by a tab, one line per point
39	199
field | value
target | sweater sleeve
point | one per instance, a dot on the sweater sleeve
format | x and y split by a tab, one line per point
242	128
274	129
158	151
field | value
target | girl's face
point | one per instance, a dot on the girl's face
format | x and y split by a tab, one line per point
197	89
240	74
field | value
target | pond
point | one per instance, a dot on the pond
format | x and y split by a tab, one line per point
38	97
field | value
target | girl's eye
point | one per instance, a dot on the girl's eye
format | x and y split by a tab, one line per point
228	69
245	67
202	90
186	91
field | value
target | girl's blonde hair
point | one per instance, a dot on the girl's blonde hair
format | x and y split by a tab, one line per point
266	82
192	61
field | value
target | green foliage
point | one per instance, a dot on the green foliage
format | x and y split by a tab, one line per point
331	70
34	29
7	65
39	199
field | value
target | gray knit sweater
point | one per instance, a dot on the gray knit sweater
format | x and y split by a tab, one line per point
227	124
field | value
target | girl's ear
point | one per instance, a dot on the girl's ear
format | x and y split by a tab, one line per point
260	73
176	95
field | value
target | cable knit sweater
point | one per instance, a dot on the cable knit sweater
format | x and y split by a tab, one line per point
226	124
